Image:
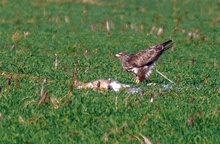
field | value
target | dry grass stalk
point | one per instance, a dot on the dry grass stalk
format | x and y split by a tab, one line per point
152	29
146	140
59	1
42	89
116	102
92	2
14	45
141	142
21	120
67	19
32	101
86	53
216	20
105	137
55	102
16	36
9	80
56	61
70	89
1	116
108	27
35	118
44	98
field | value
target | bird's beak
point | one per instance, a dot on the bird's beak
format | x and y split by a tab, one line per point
117	55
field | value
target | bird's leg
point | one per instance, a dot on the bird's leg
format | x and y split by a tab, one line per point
137	80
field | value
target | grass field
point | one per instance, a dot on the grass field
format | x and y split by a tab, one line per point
85	36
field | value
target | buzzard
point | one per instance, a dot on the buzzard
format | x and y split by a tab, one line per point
142	63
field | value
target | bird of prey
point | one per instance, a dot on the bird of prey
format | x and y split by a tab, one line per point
142	62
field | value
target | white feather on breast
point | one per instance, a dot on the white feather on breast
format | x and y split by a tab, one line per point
147	74
135	70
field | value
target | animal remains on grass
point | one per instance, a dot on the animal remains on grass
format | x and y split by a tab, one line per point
142	62
103	84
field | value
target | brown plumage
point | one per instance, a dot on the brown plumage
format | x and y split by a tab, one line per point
142	63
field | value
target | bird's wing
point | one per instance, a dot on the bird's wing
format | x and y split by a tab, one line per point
150	55
143	57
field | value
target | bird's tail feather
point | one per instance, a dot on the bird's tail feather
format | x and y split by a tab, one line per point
168	44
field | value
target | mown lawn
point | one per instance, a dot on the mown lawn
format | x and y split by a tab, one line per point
85	36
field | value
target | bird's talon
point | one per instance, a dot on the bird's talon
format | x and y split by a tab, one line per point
137	81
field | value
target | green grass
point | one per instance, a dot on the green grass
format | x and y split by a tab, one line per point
88	116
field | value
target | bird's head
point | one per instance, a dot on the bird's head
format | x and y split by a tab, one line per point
121	55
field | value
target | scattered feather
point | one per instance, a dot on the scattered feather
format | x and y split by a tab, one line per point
86	53
134	90
152	29
152	99
167	86
153	96
191	121
151	84
26	33
195	34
